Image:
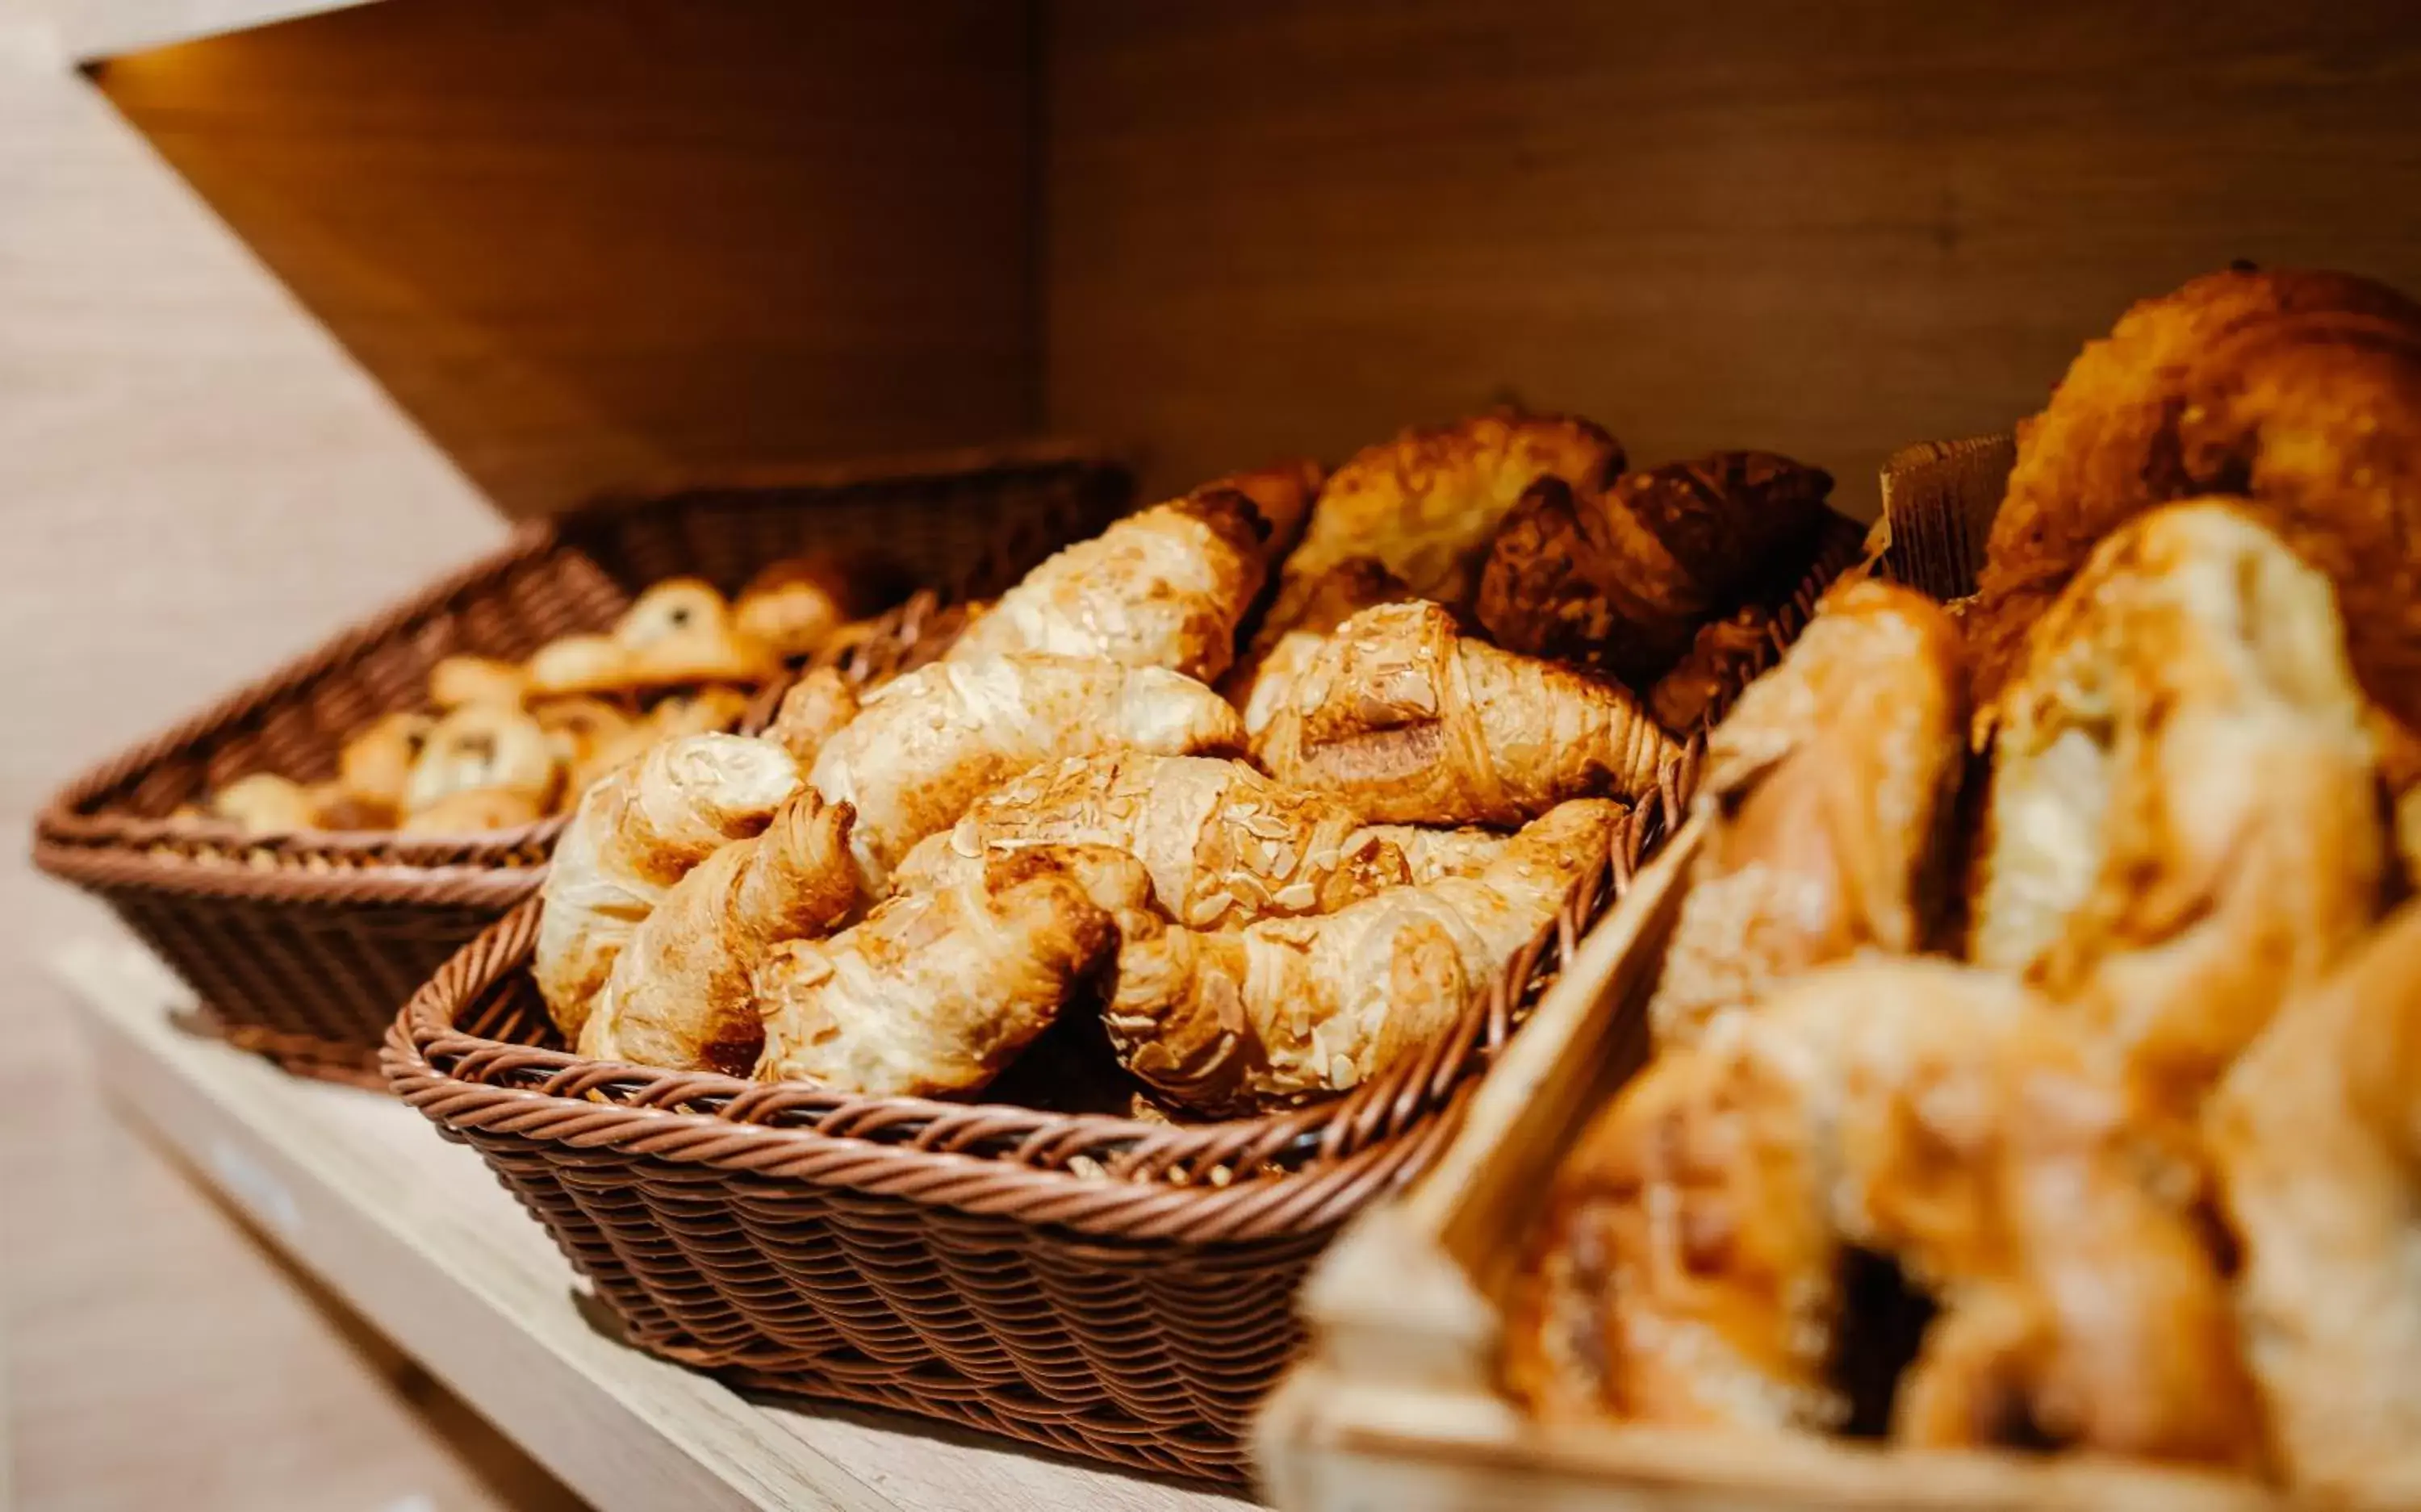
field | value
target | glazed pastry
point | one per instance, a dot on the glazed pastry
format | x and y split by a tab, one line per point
1285	1011
264	803
1163	588
1620	579
1722	657
1406	720
1224	845
1827	795
679	631
2300	391
1262	682
456	680
473	809
2316	1135
1688	1269
634	834
2183	820
817	706
483	745
794	606
928	745
937	989
375	766
679	996
1426	504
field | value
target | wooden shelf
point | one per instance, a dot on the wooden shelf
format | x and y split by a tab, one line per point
417	1235
101	29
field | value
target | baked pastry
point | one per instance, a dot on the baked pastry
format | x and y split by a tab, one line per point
1426	504
589	735
1281	495
635	833
1259	683
333	807
795	604
2183	822
2299	391
475	809
1404	719
680	630
456	680
1431	853
264	802
937	989
483	745
1721	658
926	746
817	706
1688	1269
1164	588
1287	1010
374	767
1621	578
2316	1137
1222	844
678	995
1828	795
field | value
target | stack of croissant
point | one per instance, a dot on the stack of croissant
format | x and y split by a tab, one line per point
2116	1146
1243	773
510	742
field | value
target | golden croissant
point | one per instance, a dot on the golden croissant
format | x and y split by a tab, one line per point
935	990
1262	682
680	994
817	706
1404	719
927	747
1287	1010
2183	820
1165	588
2316	1135
636	832
1827	795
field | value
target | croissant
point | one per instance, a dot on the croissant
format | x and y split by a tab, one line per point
635	833
935	990
2300	391
589	736
1165	588
1281	493
794	606
1404	719
1828	794
456	680
1721	657
679	996
679	631
1287	1010
929	745
1428	503
1262	682
1222	844
375	765
483	745
817	706
1430	853
1621	578
2316	1142
2183	821
1688	1267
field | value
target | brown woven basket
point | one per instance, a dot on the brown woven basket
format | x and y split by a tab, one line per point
1088	1283
303	947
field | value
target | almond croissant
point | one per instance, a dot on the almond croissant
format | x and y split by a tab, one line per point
1262	683
927	747
680	994
1288	1010
1404	719
936	991
637	831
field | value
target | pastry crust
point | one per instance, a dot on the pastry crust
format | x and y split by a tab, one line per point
680	630
794	606
2183	822
474	810
1263	681
456	680
1285	1011
1406	720
477	746
376	764
264	802
1828	794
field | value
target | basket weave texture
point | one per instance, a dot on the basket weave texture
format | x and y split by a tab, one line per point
302	945
1079	1279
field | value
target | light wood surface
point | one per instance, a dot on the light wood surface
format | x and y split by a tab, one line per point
583	244
416	1234
1828	229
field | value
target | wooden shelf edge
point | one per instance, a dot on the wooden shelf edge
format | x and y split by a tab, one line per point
416	1234
100	30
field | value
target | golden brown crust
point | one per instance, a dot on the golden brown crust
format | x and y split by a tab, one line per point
1260	681
456	680
376	764
680	630
472	810
2300	391
1406	720
795	604
484	745
265	803
1281	493
1829	791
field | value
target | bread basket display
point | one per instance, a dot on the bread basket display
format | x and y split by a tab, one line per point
2001	1092
300	941
1007	1045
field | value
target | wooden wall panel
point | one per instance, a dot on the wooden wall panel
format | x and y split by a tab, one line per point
1827	229
583	242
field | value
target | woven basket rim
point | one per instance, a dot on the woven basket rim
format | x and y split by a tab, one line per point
98	846
1143	1181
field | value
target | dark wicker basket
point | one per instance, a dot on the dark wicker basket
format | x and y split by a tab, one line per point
303	947
1091	1284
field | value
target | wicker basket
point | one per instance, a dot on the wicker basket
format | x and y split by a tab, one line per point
303	947
1091	1284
